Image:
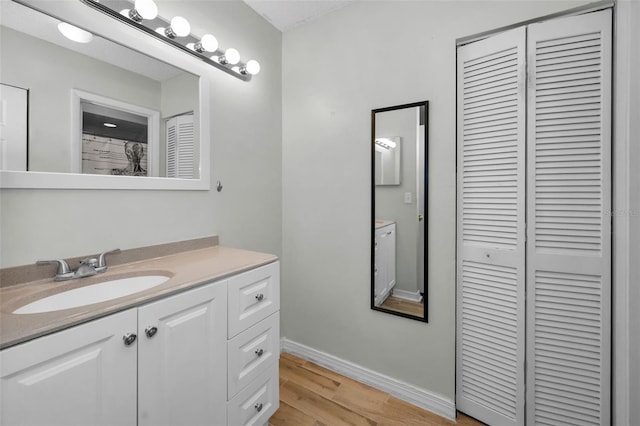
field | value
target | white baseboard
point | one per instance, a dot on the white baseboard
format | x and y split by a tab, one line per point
409	393
407	295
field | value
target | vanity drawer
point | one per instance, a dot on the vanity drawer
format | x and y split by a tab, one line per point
257	402
250	352
253	296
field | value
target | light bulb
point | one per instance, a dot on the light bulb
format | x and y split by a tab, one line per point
143	9
125	12
74	33
179	28
231	57
252	67
147	9
208	43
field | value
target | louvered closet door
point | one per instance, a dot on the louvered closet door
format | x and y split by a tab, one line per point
491	209
181	149
569	241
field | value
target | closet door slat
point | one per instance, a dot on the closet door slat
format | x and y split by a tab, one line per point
568	222
491	243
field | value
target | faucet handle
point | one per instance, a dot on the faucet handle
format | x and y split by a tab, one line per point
102	262
63	271
90	261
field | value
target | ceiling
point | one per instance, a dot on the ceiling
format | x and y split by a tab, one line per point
288	14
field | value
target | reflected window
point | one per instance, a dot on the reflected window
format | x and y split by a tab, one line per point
114	142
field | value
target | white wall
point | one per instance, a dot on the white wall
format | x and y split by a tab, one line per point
335	70
246	157
179	96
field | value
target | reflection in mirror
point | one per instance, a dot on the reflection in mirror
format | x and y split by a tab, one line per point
399	206
388	160
91	108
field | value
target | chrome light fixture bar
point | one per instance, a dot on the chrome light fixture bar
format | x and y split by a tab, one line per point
143	15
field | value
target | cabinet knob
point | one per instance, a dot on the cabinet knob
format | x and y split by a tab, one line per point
151	331
259	352
258	407
129	338
259	297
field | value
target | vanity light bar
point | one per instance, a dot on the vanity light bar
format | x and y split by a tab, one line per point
385	143
177	34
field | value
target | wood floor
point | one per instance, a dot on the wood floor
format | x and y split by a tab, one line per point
403	305
311	395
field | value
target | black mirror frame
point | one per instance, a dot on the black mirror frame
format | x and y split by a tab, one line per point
425	118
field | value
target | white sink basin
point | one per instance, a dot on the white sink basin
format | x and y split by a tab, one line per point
90	294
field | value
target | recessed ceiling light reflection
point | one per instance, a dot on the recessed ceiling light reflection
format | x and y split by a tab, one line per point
74	33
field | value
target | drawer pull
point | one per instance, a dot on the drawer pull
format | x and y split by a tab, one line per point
258	407
259	297
259	352
150	331
129	338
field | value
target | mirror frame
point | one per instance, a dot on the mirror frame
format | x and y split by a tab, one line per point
81	15
424	104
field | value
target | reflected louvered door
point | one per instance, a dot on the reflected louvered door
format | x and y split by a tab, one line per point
181	147
490	236
569	229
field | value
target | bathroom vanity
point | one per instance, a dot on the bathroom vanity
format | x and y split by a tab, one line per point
384	264
202	348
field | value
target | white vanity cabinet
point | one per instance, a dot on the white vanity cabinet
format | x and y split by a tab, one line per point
384	268
253	346
84	375
182	359
184	367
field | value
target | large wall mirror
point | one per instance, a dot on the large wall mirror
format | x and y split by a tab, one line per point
97	113
399	188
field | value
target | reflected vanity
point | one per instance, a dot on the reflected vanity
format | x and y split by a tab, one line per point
99	115
399	187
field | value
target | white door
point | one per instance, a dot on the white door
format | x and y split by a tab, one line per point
568	222
181	147
13	128
421	192
491	239
182	363
85	375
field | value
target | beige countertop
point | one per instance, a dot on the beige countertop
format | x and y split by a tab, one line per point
186	269
380	223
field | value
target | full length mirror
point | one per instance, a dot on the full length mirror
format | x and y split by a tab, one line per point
399	207
93	107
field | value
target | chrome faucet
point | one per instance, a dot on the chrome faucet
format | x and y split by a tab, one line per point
86	268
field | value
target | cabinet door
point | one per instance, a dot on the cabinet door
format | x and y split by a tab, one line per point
254	404
182	359
385	262
84	375
253	296
251	351
378	269
390	257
